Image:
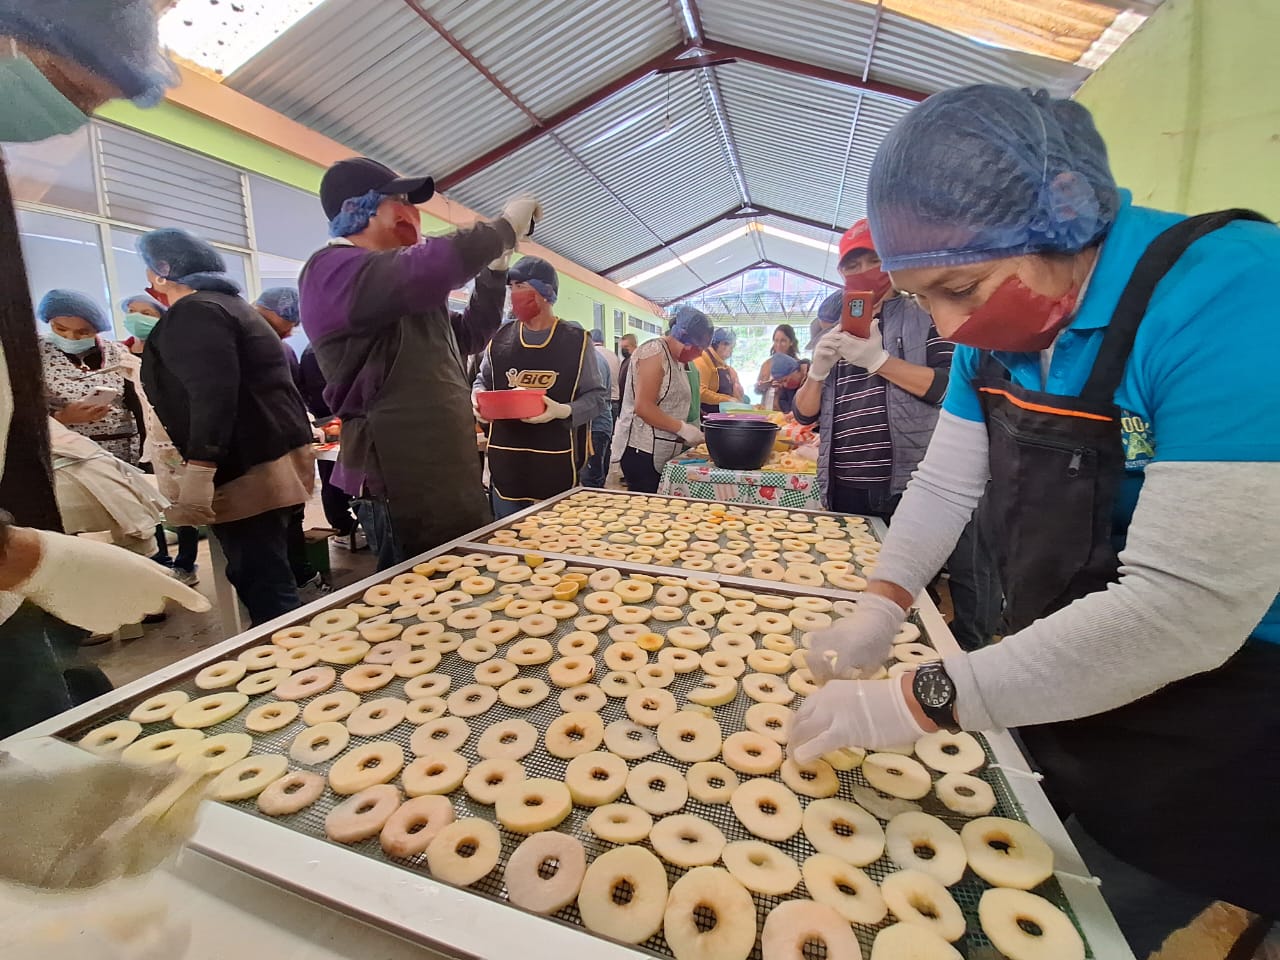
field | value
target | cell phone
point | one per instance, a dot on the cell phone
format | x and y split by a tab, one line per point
856	313
101	396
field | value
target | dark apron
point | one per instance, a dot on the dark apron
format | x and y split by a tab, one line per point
421	440
529	462
1181	783
724	383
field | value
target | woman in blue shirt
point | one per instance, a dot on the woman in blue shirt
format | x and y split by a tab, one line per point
1115	384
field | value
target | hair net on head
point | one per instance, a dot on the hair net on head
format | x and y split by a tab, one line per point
690	325
355	214
723	335
986	171
127	303
538	274
71	303
597	336
115	39
186	259
282	301
782	365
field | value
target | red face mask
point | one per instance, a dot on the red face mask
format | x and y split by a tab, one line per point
1016	319
157	296
524	304
874	280
688	353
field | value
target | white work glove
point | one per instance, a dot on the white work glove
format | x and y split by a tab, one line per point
852	713
869	354
502	264
93	821
553	410
825	355
99	586
690	434
857	643
194	506
521	212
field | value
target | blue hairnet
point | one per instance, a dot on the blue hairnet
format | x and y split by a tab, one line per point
829	309
355	214
186	259
117	40
71	303
782	365
282	301
723	335
128	302
597	336
982	172
690	325
538	274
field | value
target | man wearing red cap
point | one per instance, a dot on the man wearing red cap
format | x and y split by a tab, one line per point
876	402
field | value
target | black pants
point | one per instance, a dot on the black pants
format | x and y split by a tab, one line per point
335	500
188	544
303	572
257	551
637	468
597	466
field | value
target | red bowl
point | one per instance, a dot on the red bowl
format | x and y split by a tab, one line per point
510	404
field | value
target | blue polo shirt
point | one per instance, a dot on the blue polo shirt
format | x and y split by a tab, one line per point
1201	382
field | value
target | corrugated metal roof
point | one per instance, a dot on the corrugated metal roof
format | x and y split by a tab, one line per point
372	75
734	256
550	54
681	248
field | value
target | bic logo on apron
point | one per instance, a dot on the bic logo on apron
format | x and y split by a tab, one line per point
531	379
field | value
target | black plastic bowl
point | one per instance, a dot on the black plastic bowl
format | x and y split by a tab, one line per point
743	445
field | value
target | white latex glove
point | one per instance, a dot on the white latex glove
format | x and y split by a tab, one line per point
852	713
869	354
99	586
690	434
521	212
93	821
554	410
502	263
859	642
825	355
194	506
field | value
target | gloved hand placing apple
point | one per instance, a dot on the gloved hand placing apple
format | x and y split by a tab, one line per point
554	410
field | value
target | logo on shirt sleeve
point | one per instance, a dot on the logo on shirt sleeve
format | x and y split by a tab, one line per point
1139	441
531	379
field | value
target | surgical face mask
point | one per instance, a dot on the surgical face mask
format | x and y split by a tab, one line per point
157	296
524	303
1016	319
140	325
689	352
67	345
874	281
34	107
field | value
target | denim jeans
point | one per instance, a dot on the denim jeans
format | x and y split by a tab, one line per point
188	544
257	552
641	475
505	508
375	520
597	465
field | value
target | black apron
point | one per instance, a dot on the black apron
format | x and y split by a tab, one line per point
419	437
724	382
529	462
1181	783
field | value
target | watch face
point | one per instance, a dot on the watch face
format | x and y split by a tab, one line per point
934	689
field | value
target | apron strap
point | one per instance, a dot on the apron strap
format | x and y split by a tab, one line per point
1159	257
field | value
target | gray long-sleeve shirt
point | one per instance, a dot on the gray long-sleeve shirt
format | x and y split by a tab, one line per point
592	395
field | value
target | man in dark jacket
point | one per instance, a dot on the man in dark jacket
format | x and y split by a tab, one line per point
375	307
218	380
335	500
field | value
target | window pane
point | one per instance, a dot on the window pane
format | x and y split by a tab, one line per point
131	272
286	221
63	253
57	172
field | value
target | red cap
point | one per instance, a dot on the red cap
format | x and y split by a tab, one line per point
857	237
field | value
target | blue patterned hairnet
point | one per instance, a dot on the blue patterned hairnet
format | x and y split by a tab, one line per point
723	335
128	302
115	39
186	259
690	326
982	172
71	303
282	301
782	365
355	214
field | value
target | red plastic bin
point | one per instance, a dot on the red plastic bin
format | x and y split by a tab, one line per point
510	404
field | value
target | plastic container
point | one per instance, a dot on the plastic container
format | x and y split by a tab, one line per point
510	404
740	444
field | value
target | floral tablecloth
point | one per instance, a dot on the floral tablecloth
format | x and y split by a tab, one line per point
701	480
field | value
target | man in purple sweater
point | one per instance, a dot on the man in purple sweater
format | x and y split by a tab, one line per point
375	308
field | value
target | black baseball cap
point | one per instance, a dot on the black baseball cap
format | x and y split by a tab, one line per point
356	177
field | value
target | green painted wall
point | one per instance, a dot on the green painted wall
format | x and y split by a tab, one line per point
195	132
1190	107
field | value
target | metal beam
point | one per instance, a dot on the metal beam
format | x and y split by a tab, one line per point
714	283
756	210
545	125
692	231
719	48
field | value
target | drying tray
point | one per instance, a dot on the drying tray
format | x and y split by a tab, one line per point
363	882
658	520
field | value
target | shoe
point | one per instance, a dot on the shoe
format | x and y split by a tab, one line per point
316	587
188	577
354	541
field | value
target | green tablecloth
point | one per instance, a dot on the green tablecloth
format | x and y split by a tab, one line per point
702	480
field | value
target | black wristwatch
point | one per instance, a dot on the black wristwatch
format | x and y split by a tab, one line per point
936	694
